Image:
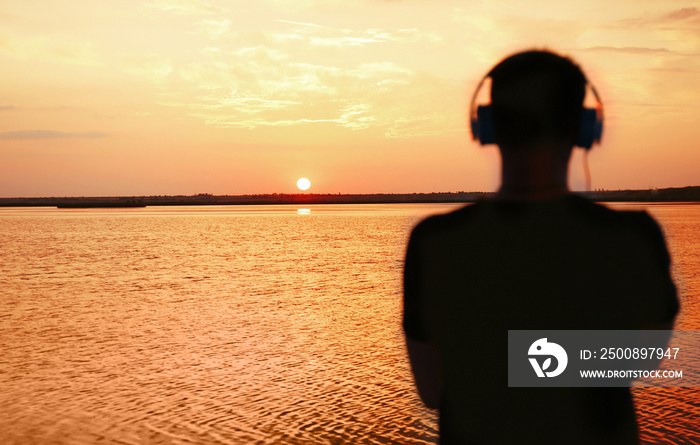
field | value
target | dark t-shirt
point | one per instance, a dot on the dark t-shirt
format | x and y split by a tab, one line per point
473	274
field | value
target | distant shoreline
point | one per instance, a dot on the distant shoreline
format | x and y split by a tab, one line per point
679	194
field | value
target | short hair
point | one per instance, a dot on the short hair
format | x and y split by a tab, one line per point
536	96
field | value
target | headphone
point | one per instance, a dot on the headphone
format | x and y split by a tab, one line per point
483	129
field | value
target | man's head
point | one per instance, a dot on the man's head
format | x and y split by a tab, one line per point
537	98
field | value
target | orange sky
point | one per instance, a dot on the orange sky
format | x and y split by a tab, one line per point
361	96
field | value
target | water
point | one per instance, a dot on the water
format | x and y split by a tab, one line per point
672	415
237	324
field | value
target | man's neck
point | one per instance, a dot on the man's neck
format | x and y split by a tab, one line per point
534	174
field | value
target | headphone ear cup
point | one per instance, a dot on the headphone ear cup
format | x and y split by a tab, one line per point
590	129
482	127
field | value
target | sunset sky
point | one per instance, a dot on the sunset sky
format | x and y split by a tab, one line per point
360	96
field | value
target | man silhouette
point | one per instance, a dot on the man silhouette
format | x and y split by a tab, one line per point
534	257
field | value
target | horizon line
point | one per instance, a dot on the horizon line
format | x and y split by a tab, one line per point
305	193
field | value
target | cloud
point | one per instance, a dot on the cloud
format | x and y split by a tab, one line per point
682	14
213	28
8	107
263	87
296	5
50	134
630	50
266	79
677	17
676	70
185	7
320	35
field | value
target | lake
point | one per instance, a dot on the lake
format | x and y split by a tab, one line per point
238	324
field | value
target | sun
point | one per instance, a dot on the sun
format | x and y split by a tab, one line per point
303	184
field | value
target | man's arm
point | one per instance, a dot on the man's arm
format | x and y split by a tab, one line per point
427	374
660	276
422	352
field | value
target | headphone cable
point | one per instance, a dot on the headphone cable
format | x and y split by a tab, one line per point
586	171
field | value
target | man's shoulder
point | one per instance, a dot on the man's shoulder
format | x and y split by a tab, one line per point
443	221
576	209
622	219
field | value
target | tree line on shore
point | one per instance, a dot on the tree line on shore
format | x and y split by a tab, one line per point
678	194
